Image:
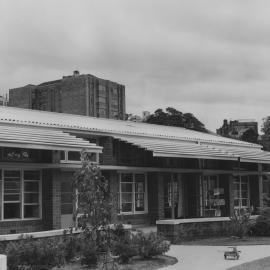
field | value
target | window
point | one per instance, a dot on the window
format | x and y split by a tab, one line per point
21	194
133	193
241	192
214	200
12	194
66	198
75	157
31	194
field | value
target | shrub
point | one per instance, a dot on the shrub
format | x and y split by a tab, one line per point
72	245
240	222
150	244
89	252
30	252
262	223
122	244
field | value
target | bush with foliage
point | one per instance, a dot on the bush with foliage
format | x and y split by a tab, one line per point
123	244
240	222
128	244
72	244
45	253
262	223
150	244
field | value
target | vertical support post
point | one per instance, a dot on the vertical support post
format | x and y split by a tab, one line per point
172	196
56	199
231	195
181	212
260	183
160	196
201	165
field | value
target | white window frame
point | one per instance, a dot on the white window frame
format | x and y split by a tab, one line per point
133	212
240	198
66	160
22	203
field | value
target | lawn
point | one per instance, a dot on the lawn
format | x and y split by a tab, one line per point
135	264
262	264
229	241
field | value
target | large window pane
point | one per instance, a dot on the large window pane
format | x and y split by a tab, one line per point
75	156
12	210
31	198
127	177
127	197
139	202
31	211
31	175
126	207
31	186
126	187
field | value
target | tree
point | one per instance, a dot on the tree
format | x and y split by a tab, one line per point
92	195
173	117
94	200
250	135
266	125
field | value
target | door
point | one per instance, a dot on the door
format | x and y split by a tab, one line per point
66	204
241	192
171	196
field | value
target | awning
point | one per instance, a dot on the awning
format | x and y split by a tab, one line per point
184	149
46	139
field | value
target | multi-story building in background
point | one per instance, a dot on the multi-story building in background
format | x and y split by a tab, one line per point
236	128
3	101
82	94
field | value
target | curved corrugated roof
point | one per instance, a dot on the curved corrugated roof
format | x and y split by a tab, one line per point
110	126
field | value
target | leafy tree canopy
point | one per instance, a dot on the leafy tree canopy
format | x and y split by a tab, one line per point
266	125
173	117
250	135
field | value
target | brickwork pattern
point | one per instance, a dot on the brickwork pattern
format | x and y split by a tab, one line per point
188	231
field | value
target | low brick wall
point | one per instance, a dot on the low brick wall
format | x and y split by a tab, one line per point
21	226
188	229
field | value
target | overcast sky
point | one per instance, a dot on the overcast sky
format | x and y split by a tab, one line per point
208	57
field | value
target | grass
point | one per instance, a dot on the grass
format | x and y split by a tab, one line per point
135	264
261	264
229	241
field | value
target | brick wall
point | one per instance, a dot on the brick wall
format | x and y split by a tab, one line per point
188	231
20	97
72	94
56	199
47	202
107	157
155	197
21	226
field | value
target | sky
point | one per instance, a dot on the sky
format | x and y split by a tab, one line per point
207	57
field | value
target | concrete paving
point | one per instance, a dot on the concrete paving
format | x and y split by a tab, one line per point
212	257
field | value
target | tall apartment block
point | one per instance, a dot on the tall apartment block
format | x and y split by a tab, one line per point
82	94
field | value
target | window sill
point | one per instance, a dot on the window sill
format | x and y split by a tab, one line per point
20	219
132	213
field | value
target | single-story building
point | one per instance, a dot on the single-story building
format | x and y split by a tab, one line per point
155	172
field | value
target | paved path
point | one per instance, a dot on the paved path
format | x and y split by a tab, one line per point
211	257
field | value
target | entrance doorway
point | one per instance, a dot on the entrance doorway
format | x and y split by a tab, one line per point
241	192
172	196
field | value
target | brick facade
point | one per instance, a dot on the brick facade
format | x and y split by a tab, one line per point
77	94
190	230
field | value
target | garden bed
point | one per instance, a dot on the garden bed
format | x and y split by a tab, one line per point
135	264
